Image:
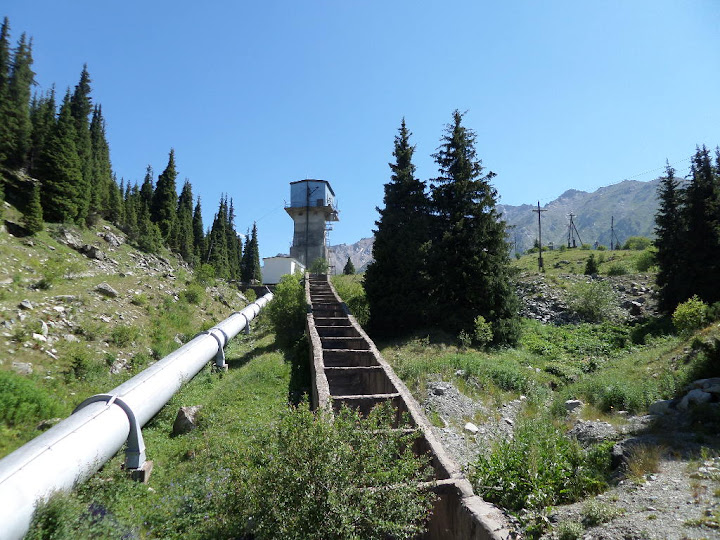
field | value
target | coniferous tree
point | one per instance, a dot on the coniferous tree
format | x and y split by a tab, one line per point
42	118
396	282
469	258
184	244
60	169
217	242
101	176
234	245
131	204
4	89
671	252
149	238
349	269
32	213
2	195
15	125
251	271
145	195
164	201
115	207
80	108
198	233
702	219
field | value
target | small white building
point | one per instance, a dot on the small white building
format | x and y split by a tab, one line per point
276	267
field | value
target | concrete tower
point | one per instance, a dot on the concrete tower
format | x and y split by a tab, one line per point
312	204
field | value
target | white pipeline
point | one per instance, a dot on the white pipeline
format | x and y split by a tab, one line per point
77	447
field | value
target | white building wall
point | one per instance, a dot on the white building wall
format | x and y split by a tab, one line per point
276	267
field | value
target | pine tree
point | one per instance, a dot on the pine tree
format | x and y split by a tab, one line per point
145	195
115	207
80	108
164	201
131	203
149	238
217	243
396	282
702	218
469	258
32	213
42	118
671	252
184	242
60	170
234	245
198	233
591	265
4	87
349	269
15	125
251	271
101	176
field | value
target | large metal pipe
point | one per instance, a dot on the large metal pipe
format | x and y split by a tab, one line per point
77	447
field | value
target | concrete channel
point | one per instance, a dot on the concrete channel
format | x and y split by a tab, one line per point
347	369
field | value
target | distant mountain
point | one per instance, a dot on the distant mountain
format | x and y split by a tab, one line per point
631	203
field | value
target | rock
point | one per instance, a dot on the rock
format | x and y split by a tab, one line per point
695	396
71	338
572	404
472	428
713	389
47	424
93	252
39	337
22	368
44	328
70	240
106	290
661	407
110	238
588	432
26	304
119	365
186	420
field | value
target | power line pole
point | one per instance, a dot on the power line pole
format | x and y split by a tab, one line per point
541	266
613	236
572	231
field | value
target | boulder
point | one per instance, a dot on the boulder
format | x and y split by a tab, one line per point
661	407
572	404
695	397
588	432
106	290
93	252
471	428
26	304
22	368
186	420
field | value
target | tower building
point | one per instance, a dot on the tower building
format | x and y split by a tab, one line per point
312	205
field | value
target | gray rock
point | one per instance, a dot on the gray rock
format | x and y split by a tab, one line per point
106	290
472	428
588	432
44	328
695	396
572	404
111	239
22	368
70	240
93	252
26	304
661	407
186	420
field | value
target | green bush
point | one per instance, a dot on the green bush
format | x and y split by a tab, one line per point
347	478
124	334
483	331
637	243
287	310
594	301
617	269
319	266
205	275
690	316
193	294
350	289
538	467
646	260
250	295
21	401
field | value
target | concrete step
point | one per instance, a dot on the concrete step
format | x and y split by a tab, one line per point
332	321
337	331
355	343
348	358
358	380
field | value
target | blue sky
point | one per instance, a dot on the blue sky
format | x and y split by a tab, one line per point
255	95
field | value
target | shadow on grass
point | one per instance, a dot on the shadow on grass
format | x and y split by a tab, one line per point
240	361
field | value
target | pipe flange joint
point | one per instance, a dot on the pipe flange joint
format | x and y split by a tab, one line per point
135	452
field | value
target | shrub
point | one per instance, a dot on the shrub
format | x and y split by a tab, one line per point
319	266
646	260
21	401
123	335
194	294
205	275
690	316
54	270
483	331
569	530
287	310
595	512
591	265
594	301
538	467
350	289
347	478
637	243
250	295
139	299
617	269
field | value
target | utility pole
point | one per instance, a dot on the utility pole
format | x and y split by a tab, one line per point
613	236
541	266
572	231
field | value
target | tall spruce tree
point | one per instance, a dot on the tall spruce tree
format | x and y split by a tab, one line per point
217	255
183	238
60	170
15	125
234	244
4	87
198	233
702	218
469	257
101	176
42	117
349	268
131	203
145	194
115	207
80	108
32	212
164	201
251	271
396	282
671	253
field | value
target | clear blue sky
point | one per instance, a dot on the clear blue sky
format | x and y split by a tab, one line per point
255	95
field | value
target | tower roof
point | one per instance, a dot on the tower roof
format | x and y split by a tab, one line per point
315	180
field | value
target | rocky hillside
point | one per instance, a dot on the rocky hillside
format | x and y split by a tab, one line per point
360	254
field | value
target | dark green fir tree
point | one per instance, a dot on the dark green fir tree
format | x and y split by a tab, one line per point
396	282
101	176
198	233
349	268
80	109
251	272
469	258
164	201
42	117
234	244
32	213
15	125
183	238
59	167
145	194
217	255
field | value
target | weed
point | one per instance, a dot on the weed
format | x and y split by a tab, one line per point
350	289
569	530
123	334
689	316
643	460
139	299
595	512
617	269
21	401
594	301
193	294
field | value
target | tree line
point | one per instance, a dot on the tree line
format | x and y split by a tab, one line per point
441	258
64	149
687	226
